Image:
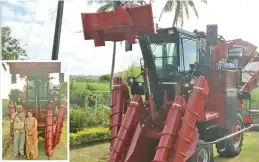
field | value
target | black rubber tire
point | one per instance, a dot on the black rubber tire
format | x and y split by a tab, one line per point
195	156
230	149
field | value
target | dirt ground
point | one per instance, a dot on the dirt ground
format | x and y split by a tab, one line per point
99	152
59	153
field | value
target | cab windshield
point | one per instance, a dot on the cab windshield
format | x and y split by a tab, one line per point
165	55
39	87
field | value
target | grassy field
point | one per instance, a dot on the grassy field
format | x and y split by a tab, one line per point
59	153
99	152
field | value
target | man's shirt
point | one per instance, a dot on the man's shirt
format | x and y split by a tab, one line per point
18	122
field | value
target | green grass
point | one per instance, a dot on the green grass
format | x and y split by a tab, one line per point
99	152
59	153
5	108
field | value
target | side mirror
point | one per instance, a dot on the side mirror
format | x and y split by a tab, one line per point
61	77
137	88
128	47
13	79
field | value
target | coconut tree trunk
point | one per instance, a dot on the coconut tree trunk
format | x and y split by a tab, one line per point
113	64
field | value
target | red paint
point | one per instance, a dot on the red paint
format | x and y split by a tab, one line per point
220	51
49	134
34	68
119	98
118	25
251	84
237	137
168	138
248	120
11	108
123	136
59	121
196	102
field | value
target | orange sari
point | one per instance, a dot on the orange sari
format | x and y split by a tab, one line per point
31	138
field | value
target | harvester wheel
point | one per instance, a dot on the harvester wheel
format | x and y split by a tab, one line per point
233	145
203	153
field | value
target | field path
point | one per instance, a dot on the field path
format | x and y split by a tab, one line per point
59	153
99	152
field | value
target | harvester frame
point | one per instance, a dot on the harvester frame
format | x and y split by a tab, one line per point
186	109
48	109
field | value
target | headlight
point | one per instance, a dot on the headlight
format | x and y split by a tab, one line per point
170	31
192	82
131	80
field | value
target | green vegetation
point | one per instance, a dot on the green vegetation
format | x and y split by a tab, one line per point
11	47
5	109
88	118
255	99
89	135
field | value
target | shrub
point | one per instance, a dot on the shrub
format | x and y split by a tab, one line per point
99	117
89	135
88	117
77	120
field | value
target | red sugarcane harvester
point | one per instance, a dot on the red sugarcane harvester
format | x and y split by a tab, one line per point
41	99
193	89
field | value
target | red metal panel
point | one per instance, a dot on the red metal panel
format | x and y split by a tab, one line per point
188	131
59	121
49	134
251	67
220	51
169	135
122	24
36	68
118	102
11	108
123	136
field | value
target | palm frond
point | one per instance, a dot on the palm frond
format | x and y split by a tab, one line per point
177	13
192	5
181	14
169	6
90	2
106	7
186	9
205	1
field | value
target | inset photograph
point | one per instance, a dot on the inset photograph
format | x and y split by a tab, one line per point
34	98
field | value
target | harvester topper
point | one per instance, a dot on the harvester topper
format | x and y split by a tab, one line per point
192	89
41	99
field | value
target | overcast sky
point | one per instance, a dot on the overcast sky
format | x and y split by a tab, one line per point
235	19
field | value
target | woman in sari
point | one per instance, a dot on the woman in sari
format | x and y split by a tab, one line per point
31	137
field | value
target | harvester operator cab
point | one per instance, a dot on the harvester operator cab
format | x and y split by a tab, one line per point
37	92
173	57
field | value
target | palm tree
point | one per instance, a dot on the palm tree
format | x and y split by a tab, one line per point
179	7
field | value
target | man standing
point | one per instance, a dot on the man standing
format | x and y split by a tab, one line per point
17	131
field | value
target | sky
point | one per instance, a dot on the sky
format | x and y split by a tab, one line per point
235	19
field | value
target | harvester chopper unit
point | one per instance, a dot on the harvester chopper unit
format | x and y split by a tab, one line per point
193	87
45	105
